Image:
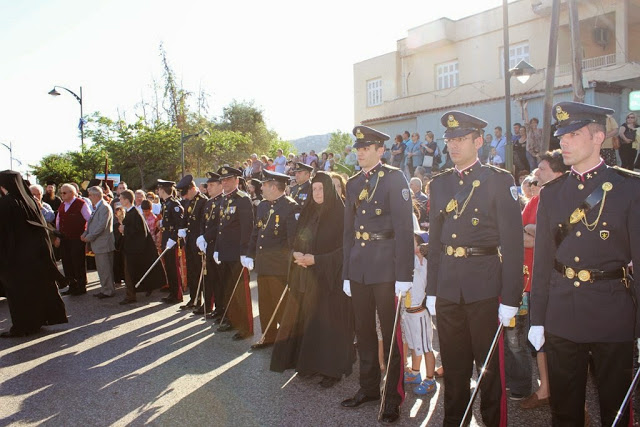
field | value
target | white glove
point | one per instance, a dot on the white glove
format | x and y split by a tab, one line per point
201	244
182	233
536	336
506	313
638	350
403	287
215	257
346	287
431	305
159	224
246	262
171	243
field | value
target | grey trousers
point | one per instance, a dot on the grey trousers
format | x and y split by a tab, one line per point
104	265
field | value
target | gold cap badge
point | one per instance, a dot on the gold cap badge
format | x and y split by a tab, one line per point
561	115
452	122
359	134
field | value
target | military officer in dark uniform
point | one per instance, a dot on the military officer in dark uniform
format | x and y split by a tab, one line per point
206	242
378	264
475	269
271	247
172	214
231	248
189	231
588	231
301	192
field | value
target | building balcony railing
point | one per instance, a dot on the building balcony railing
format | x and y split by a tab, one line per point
588	64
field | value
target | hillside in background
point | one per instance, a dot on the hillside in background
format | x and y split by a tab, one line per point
312	142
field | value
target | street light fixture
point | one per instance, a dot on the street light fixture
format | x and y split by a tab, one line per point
184	138
54	92
522	71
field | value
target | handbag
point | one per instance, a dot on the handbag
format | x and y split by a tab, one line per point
427	162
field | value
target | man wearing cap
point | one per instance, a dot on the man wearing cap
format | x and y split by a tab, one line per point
474	275
302	190
378	228
588	230
189	231
172	214
271	247
231	248
213	290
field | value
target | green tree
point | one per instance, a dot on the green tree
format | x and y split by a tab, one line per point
58	168
338	141
248	119
227	147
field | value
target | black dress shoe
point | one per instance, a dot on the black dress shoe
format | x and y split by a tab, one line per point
187	306
199	310
258	346
359	399
67	292
391	414
224	327
215	316
240	336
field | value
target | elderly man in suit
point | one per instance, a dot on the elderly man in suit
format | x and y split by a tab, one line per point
100	239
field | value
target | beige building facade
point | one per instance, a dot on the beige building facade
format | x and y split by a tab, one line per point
446	64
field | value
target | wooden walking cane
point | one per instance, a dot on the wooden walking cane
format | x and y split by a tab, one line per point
200	281
151	268
232	293
482	372
386	375
273	316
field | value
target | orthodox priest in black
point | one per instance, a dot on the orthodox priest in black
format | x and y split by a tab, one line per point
139	252
28	272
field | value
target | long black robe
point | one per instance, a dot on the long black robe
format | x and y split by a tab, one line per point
139	251
28	272
317	330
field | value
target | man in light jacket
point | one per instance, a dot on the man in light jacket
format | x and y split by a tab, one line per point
100	240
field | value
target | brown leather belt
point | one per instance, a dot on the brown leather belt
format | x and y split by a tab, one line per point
588	275
365	235
412	310
466	251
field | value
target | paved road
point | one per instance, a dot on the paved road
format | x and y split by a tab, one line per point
153	364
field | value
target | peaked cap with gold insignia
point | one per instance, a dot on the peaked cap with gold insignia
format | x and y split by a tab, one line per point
367	136
460	124
571	116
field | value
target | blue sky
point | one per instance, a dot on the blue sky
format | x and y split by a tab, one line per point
295	59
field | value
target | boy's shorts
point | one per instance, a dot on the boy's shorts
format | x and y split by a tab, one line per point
418	331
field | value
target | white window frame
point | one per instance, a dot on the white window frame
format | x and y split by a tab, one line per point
447	75
374	92
517	53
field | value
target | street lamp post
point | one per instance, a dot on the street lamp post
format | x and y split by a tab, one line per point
54	92
184	138
10	148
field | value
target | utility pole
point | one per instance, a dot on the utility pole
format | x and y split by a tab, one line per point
507	87
576	52
551	74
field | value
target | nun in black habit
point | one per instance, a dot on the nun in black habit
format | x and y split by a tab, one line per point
317	330
28	272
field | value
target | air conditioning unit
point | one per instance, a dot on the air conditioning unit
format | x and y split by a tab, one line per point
601	36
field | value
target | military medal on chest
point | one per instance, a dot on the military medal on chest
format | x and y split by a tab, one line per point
277	225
